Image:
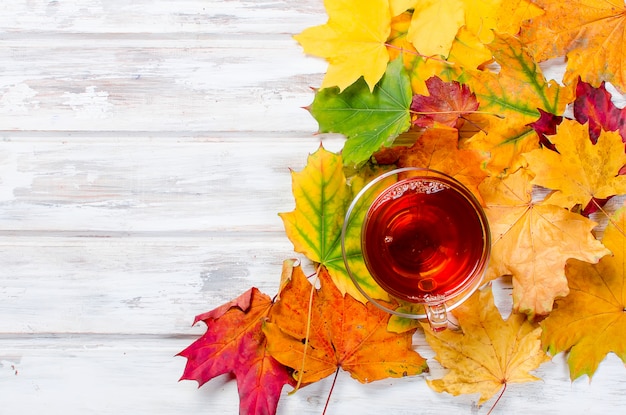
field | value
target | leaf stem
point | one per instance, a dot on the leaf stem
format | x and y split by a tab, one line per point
497	400
456	112
330	392
308	330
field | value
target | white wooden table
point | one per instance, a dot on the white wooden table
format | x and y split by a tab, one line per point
145	149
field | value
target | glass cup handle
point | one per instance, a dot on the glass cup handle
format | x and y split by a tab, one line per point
437	316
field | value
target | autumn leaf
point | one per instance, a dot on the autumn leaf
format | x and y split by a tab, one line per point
352	41
595	107
532	240
590	322
446	104
434	25
369	120
585	171
590	33
489	352
545	126
438	149
484	17
400	6
234	343
514	95
344	333
467	52
322	197
314	227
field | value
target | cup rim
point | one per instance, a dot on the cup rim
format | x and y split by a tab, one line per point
466	290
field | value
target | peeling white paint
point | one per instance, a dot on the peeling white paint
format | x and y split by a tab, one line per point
18	99
11	177
89	104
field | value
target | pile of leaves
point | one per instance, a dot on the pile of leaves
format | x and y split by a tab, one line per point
456	86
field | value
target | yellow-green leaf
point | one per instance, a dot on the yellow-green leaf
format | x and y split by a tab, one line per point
322	196
514	96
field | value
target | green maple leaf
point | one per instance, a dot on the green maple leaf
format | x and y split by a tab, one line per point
369	120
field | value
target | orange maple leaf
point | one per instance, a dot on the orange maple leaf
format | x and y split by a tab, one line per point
533	240
438	149
489	352
591	33
343	333
590	322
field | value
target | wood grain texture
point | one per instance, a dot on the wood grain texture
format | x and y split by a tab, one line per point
145	150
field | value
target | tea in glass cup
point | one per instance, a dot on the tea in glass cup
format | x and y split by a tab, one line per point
425	240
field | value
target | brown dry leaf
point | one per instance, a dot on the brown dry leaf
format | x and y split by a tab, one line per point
489	352
532	241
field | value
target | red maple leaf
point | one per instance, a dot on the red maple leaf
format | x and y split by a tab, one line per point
234	343
594	105
447	103
546	125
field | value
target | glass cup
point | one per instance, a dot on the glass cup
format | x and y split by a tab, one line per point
424	240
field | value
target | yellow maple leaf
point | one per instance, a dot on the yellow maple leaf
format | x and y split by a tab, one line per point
467	52
590	322
531	241
434	25
400	6
585	171
489	353
352	41
483	17
591	33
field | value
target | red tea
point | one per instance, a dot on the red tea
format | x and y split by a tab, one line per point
425	238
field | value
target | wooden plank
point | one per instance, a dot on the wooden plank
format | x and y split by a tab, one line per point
142	284
153	283
120	374
156	85
136	184
145	17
